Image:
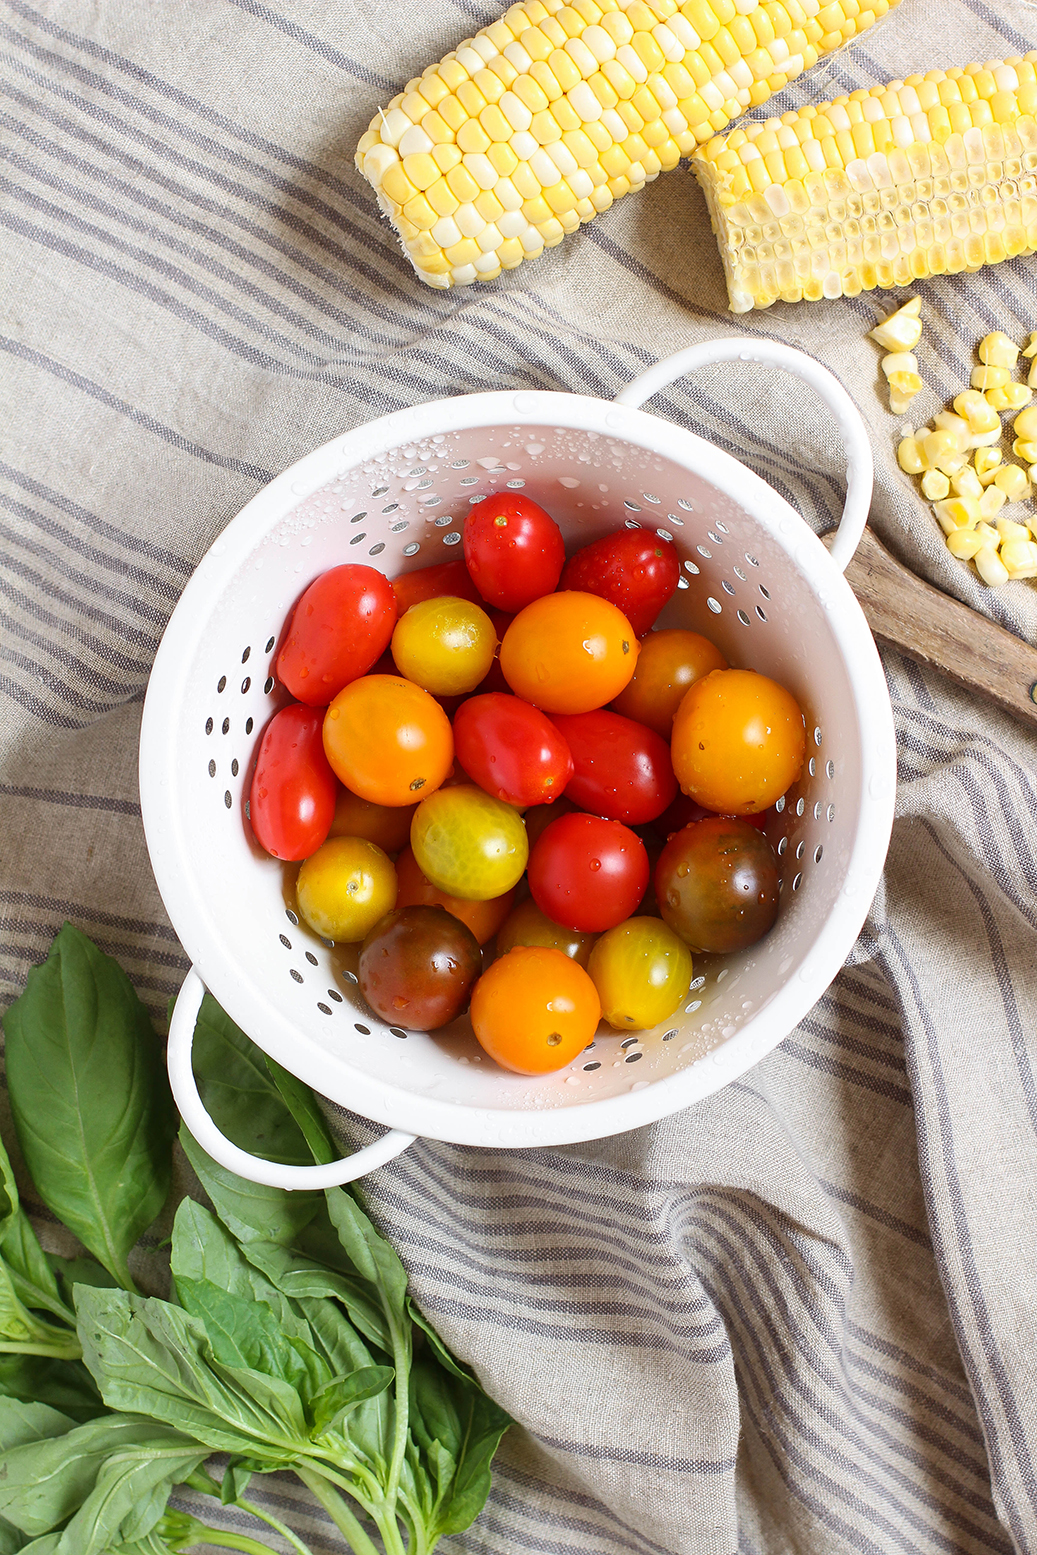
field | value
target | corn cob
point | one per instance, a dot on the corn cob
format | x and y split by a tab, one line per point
927	176
544	118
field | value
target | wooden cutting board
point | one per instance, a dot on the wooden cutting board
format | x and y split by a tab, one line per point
932	628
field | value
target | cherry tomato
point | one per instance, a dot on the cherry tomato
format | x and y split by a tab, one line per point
669	662
641	971
738	742
717	884
514	550
431	582
388	740
416	967
527	925
388	826
345	888
511	749
468	843
633	568
588	873
621	769
445	644
534	1010
340	626
416	890
569	653
682	811
292	799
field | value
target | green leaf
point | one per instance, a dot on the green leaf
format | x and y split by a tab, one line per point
236	1478
65	1385
70	1272
246	1333
303	1280
370	1254
42	1546
130	1495
149	1357
439	1349
30	1274
302	1104
12	1541
248	1209
456	1429
45	1482
29	1422
341	1396
23	1331
89	1097
241	1094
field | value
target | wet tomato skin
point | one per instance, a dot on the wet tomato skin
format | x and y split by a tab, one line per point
621	769
417	967
453	578
416	890
587	872
514	551
534	1010
511	749
634	569
341	625
717	884
293	793
738	741
669	663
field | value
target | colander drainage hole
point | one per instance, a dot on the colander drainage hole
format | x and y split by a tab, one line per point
365	1031
395	1031
225	726
765	592
743	618
311	958
234	767
697	982
208	726
227	799
296	976
333	993
212	769
325	1009
818	854
285	941
269	645
632	1058
245	684
817	736
595	1065
291	916
244	656
783	843
629	1042
760	613
221	684
269	684
249	725
830	768
795	882
668	1036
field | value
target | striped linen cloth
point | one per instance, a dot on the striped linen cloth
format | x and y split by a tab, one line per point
803	1315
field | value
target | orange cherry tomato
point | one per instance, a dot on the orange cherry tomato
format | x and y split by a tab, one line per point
388	740
738	742
669	662
534	1010
387	826
569	652
416	890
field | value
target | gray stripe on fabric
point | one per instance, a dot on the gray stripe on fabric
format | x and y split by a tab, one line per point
910	1362
874	1212
828	1065
146	928
815	1029
644	1460
972	1297
508	1471
82	515
32	704
84	674
32	614
319	46
924	1400
47	588
603	1337
140	417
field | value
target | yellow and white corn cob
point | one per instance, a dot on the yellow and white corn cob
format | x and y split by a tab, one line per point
927	176
544	118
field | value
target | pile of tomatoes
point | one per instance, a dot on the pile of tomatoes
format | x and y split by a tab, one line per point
502	749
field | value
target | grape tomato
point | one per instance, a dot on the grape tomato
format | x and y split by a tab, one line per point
445	645
633	568
621	769
588	873
292	797
340	626
513	549
345	887
451	578
511	749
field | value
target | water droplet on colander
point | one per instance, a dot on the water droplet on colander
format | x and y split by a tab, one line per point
533	449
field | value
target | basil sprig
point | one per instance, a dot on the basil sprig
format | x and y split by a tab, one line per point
289	1341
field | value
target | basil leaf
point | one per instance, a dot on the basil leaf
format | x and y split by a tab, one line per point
341	1396
70	1272
246	1208
302	1279
43	1546
457	1430
302	1104
22	1330
130	1495
65	1385
29	1422
439	1349
236	1478
240	1093
149	1357
45	1482
31	1277
370	1254
89	1098
246	1334
12	1541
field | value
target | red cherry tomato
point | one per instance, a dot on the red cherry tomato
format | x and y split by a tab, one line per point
514	550
451	578
511	749
340	626
292	800
621	769
632	568
588	873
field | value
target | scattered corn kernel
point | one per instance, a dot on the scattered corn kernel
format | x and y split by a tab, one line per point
1013	481
900	331
901	370
936	486
950	153
990	567
1019	558
940	447
1031	376
957	513
1008	529
966	483
987	462
951	422
991	502
1026	451
964	543
1030	348
984	421
997	350
910	457
1025	424
1011	396
989	377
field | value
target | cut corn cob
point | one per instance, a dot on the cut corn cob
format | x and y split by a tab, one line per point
927	176
544	118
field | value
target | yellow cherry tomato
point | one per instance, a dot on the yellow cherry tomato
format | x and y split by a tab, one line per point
445	645
345	887
569	652
641	971
468	843
669	662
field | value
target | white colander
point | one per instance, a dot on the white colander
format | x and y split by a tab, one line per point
394	494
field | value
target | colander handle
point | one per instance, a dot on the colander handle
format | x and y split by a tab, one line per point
749	348
270	1174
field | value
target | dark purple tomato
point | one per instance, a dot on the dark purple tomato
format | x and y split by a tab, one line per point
417	967
292	799
511	749
621	769
633	568
717	884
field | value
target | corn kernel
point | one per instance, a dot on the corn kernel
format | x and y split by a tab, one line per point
989	377
1013	481
987	461
1027	451
964	543
1011	396
910	456
902	330
997	350
935	485
1007	529
957	513
990	567
1019	558
1025	424
966	483
991	502
1030	348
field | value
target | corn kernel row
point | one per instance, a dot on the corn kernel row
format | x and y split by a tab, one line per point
546	117
931	175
